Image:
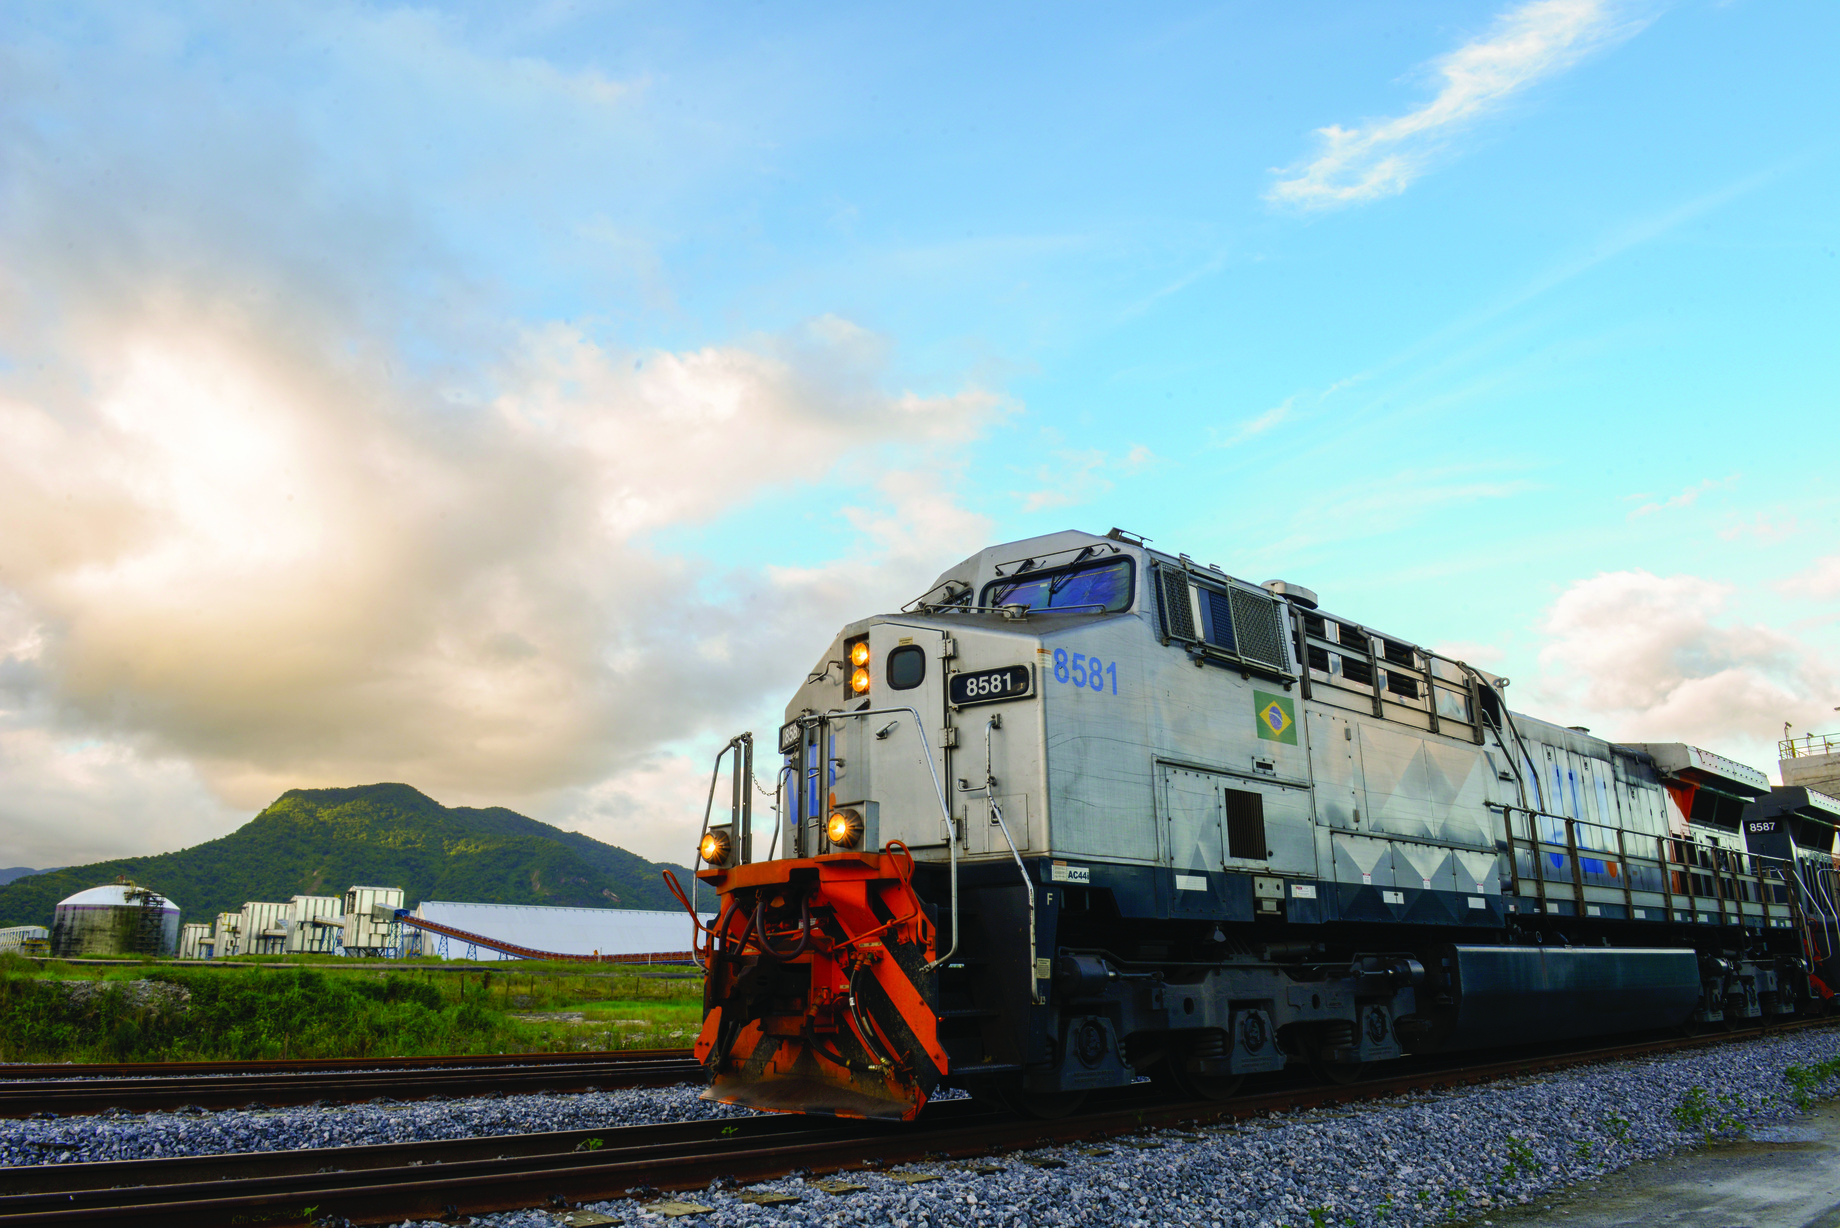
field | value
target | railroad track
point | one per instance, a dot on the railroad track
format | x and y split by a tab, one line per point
445	1180
76	1089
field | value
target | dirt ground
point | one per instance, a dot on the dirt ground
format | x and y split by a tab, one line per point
1788	1177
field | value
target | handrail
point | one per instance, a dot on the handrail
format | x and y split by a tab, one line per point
945	812
1028	884
1786	748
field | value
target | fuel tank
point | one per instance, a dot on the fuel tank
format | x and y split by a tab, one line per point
1507	995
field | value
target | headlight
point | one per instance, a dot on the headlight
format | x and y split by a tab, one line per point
845	829
856	652
714	848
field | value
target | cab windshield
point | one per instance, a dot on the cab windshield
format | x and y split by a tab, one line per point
1094	587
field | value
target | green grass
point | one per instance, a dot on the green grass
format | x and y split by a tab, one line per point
337	1008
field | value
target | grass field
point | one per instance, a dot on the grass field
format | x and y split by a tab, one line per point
326	1007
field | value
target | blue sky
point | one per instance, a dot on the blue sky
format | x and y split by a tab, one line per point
513	402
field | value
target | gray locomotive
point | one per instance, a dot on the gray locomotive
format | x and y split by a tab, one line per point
1085	811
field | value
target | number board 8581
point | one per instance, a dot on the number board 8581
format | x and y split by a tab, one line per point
989	685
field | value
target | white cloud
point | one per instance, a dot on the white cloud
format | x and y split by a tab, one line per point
237	555
1255	426
1646	658
1382	157
1819	579
1765	528
1686	498
1073	476
1389	504
293	498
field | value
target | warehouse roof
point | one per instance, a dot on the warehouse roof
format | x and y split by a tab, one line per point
564	931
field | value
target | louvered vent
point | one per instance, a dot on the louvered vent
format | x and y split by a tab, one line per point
1259	627
1178	619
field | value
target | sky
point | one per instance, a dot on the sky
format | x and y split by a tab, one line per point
514	400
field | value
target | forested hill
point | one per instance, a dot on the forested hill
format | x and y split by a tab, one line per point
321	841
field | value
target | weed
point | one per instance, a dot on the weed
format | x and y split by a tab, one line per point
589	1144
1699	1112
331	1009
1803	1080
1521	1159
1617	1126
1583	1148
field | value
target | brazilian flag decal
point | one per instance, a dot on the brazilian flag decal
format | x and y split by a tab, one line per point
1275	718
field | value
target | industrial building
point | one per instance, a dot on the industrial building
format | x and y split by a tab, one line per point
24	939
315	925
226	933
123	919
116	919
195	941
262	928
370	921
1812	762
559	931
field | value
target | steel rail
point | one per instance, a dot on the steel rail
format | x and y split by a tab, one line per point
144	1092
475	1176
11	1071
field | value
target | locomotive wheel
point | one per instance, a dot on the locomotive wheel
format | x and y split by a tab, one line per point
1181	1084
1044	1106
1338	1073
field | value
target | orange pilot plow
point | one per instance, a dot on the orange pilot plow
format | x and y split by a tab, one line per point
816	993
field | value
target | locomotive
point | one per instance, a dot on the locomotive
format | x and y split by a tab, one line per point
1085	811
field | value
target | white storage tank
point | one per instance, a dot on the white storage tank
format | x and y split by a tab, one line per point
118	918
225	934
370	920
263	928
195	940
315	924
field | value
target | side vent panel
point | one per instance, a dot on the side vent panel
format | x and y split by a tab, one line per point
1172	594
1260	628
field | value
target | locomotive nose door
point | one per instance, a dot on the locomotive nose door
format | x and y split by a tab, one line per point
908	670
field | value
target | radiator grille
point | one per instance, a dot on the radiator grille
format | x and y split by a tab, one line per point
1178	619
1259	628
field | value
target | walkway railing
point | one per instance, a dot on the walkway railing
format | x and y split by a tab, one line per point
1808	744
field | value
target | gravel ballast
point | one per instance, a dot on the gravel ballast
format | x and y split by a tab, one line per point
1410	1160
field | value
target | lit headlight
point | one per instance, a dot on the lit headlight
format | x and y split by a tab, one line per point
714	848
856	653
845	829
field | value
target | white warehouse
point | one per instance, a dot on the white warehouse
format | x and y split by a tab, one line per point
557	931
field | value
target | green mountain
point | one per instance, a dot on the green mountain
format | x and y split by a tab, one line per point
321	841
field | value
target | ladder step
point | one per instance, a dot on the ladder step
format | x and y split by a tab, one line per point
985	1068
970	1012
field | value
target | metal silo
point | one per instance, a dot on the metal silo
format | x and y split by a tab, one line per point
116	919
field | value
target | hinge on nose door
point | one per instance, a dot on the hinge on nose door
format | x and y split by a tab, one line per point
948	737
